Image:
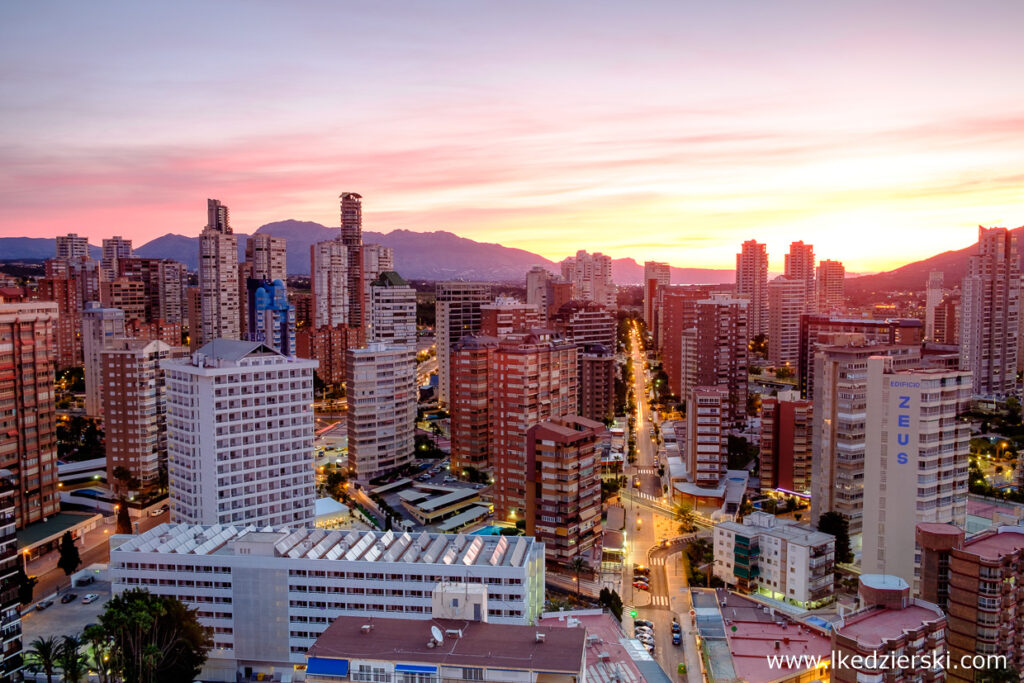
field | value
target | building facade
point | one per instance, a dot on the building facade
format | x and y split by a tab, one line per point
591	278
218	277
707	434
458	314
352	238
752	284
830	287
392	304
656	276
100	327
800	267
787	301
268	256
787	428
10	563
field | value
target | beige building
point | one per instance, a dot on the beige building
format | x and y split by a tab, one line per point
458	315
831	287
787	301
268	257
752	284
220	307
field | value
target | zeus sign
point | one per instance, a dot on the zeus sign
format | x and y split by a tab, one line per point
902	429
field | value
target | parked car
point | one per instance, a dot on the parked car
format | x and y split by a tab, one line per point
641	586
68	597
645	638
676	628
644	630
641	569
85	580
159	511
90	597
43	604
643	622
677	638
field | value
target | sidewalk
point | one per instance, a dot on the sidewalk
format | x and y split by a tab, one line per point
48	562
681	605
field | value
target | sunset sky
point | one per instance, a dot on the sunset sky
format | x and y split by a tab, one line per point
882	132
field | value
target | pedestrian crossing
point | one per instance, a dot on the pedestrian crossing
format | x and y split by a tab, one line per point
648	496
659	601
658	561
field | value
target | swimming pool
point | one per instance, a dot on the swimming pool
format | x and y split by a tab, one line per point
490	530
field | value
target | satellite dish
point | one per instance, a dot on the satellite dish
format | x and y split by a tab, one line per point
436	633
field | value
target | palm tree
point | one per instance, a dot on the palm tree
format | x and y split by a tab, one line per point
687	518
98	651
45	653
71	660
577	565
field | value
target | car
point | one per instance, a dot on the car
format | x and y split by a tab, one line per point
85	580
643	622
649	647
676	628
159	511
641	586
641	569
677	638
90	597
643	630
645	639
478	486
43	604
68	597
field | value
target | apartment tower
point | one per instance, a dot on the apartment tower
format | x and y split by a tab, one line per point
352	239
752	284
392	305
218	277
100	327
787	427
787	301
800	267
656	276
458	314
830	286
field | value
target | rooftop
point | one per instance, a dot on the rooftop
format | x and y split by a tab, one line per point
234	349
874	626
992	546
480	644
319	544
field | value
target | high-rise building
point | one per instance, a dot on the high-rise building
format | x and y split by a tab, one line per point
10	564
597	381
818	331
71	246
392	307
100	327
656	276
830	286
268	256
840	415
532	379
165	282
114	249
714	350
787	426
752	284
677	312
989	313
947	320
64	291
377	259
240	436
381	391
932	298
800	267
135	410
271	317
127	295
84	271
329	281
538	288
352	238
707	434
220	302
915	461
591	278
470	406
28	423
458	314
979	582
563	488
507	315
326	345
586	322
787	301
193	310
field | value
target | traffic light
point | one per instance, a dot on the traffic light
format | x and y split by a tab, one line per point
632	613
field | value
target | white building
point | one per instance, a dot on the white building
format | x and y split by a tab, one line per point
268	256
240	435
71	246
916	458
100	327
933	297
656	276
458	314
392	304
777	558
787	301
329	281
269	593
752	284
219	294
114	249
382	394
591	278
377	259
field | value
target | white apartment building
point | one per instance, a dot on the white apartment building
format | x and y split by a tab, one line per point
787	301
377	259
915	466
329	282
777	558
707	433
382	394
591	278
268	256
392	304
71	246
269	592
752	284
240	435
458	314
100	327
219	295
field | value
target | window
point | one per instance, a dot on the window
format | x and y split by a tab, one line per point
472	674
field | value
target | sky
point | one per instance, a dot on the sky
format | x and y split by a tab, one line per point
880	132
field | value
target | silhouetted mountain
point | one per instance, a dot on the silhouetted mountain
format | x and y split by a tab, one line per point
626	271
182	248
34	249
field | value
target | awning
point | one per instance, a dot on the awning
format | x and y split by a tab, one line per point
322	666
415	669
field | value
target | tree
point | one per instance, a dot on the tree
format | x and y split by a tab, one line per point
71	660
124	520
45	653
98	650
69	558
1003	674
687	518
837	525
577	564
154	639
26	586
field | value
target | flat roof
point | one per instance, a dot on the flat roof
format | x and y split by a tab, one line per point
1006	541
505	646
466	516
872	628
447	499
55	525
320	544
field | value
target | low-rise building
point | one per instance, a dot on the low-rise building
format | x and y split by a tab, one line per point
777	558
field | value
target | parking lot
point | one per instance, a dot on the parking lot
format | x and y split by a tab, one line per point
65	619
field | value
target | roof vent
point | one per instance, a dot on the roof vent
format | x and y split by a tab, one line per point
366	628
454	632
778	645
540	637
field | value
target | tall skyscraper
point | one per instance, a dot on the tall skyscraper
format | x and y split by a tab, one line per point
714	350
538	288
752	284
470	404
507	315
377	259
840	413
100	327
787	301
10	613
135	409
352	238
656	276
831	287
591	278
800	266
947	321
28	424
915	464
381	391
65	292
787	428
392	305
329	280
218	277
677	312
707	434
165	282
268	256
990	313
563	488
257	471
115	249
271	318
458	314
932	298
71	246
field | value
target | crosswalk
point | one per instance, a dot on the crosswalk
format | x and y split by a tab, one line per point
658	560
648	496
659	601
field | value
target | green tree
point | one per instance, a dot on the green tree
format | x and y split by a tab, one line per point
683	514
154	639
26	586
1003	674
577	564
71	660
97	650
45	654
69	558
124	520
837	525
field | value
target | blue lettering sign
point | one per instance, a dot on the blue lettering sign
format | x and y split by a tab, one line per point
903	438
